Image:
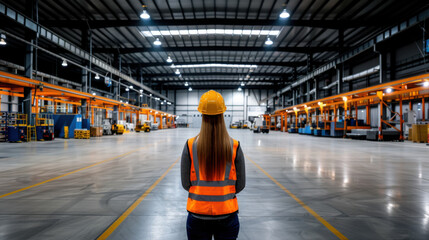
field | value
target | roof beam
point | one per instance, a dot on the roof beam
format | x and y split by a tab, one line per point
172	74
333	24
217	86
214	48
158	64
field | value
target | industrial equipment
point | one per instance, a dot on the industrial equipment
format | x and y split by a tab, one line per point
107	127
118	129
260	126
44	124
145	127
235	125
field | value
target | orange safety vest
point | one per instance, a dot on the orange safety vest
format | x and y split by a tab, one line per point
212	197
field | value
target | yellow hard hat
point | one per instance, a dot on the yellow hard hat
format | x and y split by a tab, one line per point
211	103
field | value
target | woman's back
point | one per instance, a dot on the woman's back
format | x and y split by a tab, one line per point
213	173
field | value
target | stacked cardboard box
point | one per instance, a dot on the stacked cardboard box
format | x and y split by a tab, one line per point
420	133
96	131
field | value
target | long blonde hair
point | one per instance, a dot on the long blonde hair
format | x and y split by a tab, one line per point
213	147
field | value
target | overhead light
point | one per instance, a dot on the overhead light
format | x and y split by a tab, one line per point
131	87
169	103
165	100
141	90
248	76
3	39
162	103
177	72
156	112
239	89
97	76
207	65
141	95
186	84
169	60
120	100
127	102
284	14
64	64
319	103
426	84
94	93
145	14
157	42
389	90
180	75
127	89
188	32
242	84
268	42
345	99
150	94
189	89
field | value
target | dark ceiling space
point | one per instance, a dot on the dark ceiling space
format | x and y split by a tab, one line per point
227	32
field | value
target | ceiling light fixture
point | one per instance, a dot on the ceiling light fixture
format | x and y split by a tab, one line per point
189	89
127	89
3	39
239	89
141	95
268	42
210	32
141	90
94	93
145	15
242	84
169	60
284	14
157	42
97	76
426	84
131	87
177	72
64	64
389	90
206	65
186	84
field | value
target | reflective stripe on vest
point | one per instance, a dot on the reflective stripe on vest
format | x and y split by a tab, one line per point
212	197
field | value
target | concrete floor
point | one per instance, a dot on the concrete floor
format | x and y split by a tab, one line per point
365	190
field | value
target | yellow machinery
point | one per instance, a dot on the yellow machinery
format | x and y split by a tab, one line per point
145	127
118	129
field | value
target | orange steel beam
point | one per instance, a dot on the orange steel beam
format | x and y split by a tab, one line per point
394	84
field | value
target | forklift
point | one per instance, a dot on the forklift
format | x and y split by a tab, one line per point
118	129
145	127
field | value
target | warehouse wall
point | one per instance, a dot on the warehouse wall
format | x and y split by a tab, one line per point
240	105
8	102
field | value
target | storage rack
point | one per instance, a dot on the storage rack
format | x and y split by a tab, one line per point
3	126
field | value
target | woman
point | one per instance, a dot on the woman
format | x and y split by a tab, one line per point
213	173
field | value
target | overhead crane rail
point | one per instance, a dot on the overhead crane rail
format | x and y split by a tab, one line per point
326	110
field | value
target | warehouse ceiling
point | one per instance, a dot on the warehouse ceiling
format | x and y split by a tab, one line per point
220	43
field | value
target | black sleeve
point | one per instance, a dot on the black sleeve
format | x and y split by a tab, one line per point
185	168
241	170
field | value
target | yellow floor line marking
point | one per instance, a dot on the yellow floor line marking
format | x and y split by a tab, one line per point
69	173
311	211
133	206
